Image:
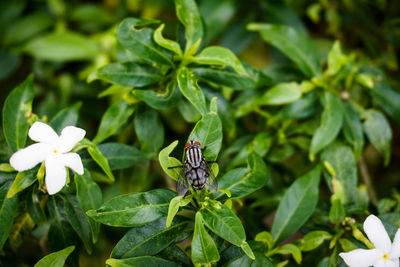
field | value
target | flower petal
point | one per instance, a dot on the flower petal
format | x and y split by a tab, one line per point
395	253
380	263
27	158
393	263
73	161
361	257
56	175
377	234
41	132
69	137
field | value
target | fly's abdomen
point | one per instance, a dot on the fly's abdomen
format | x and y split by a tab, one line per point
197	177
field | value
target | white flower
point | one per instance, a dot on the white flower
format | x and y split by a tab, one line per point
52	149
385	254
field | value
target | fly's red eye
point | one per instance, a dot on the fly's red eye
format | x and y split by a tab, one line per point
197	143
186	145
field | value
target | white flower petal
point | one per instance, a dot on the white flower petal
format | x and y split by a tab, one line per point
56	175
41	132
73	161
395	253
27	158
69	137
377	234
361	257
380	263
393	263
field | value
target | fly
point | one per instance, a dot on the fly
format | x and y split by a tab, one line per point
195	171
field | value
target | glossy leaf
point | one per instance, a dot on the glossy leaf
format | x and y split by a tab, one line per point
34	207
167	161
115	116
187	83
101	160
293	44
149	239
291	249
127	74
16	111
66	117
208	131
89	197
8	211
22	181
217	55
140	41
134	209
188	14
283	93
331	122
149	129
224	223
243	181
341	158
175	254
140	261
78	221
297	205
352	129
56	258
379	133
160	100
62	46
336	212
174	206
166	43
314	239
204	250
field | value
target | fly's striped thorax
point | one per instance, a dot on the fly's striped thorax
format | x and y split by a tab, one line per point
194	156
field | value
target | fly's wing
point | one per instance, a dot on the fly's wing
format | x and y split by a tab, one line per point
183	184
211	182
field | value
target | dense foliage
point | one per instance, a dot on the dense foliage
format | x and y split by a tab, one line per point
295	101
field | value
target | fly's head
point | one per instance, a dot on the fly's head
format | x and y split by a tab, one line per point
192	144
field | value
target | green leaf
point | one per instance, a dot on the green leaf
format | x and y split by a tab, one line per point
160	100
167	161
134	209
290	249
174	206
8	211
223	222
204	250
127	74
166	43
297	205
187	83
16	111
119	156
336	59
26	27
149	239
314	239
62	46
175	254
141	261
331	122
217	55
336	212
283	93
244	181
188	14
208	131
352	129
386	97
56	258
293	44
379	133
78	221
140	41
341	158
89	197
301	108
34	207
149	129
65	117
116	115
100	159
22	181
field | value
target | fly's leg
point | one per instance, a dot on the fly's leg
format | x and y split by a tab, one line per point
173	167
